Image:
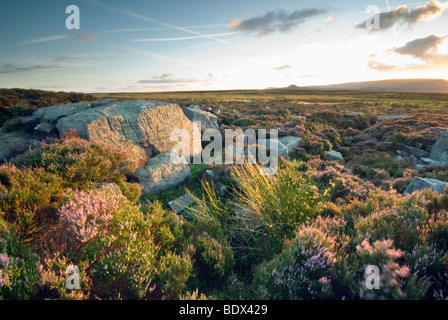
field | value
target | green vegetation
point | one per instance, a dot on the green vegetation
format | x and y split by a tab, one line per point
307	232
22	102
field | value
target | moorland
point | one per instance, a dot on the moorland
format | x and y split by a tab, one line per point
307	232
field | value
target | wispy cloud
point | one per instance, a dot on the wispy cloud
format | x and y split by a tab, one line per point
163	76
12	68
273	21
166	78
402	14
183	38
141	17
62	58
44	39
283	68
87	37
144	53
129	30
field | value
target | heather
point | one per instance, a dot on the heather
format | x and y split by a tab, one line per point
307	232
22	102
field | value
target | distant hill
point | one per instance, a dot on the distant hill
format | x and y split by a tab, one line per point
401	85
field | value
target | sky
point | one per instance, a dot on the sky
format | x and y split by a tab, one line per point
178	45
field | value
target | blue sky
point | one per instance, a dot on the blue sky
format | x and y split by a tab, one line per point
168	45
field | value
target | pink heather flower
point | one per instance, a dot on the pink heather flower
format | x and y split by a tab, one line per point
88	214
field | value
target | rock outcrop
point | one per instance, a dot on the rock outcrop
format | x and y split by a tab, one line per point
207	119
14	143
142	127
291	143
399	116
160	174
45	130
439	151
54	113
425	183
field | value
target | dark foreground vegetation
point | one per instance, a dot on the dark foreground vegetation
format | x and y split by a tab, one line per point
306	233
22	102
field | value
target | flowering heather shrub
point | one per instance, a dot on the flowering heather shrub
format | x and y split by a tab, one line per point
18	268
88	215
395	223
29	200
52	271
343	185
304	270
125	252
114	237
78	161
383	255
215	260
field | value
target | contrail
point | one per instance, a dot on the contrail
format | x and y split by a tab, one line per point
183	38
158	22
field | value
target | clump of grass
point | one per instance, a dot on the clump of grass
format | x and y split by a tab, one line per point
265	211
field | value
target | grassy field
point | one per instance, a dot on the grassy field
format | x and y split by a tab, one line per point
355	99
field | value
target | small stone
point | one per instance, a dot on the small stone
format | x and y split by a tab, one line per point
334	155
220	189
425	183
182	203
209	175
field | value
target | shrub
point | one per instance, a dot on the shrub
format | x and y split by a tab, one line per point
29	200
215	260
78	161
12	125
365	164
304	270
172	274
383	255
170	231
88	215
124	253
18	268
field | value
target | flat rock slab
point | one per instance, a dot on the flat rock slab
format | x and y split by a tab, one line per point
291	142
433	162
181	204
334	155
400	116
44	130
439	151
207	119
425	183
